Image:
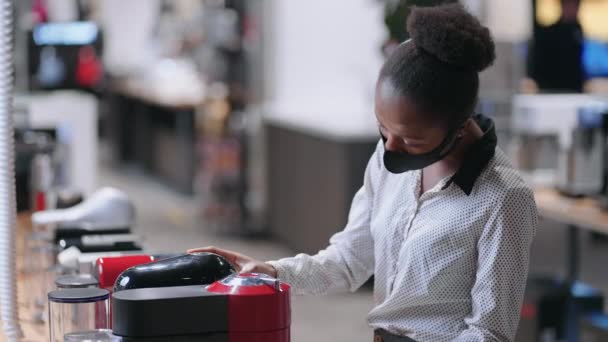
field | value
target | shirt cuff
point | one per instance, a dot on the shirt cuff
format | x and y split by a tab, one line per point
279	268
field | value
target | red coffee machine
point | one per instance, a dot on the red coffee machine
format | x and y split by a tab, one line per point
239	308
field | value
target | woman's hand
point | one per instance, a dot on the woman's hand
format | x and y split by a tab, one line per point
242	263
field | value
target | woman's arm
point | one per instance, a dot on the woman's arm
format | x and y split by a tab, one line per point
348	261
344	265
502	269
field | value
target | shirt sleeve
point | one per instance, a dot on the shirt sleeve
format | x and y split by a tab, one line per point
348	261
503	256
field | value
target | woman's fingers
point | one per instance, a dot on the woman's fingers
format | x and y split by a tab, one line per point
236	259
242	263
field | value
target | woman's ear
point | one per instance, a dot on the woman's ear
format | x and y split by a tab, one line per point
463	128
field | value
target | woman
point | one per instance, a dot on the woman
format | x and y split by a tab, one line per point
443	220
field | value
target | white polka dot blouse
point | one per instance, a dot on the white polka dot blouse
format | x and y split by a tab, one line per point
449	264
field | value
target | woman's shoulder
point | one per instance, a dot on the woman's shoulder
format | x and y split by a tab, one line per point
502	177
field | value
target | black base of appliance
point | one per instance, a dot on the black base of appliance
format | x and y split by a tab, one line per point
102	243
152	313
71	232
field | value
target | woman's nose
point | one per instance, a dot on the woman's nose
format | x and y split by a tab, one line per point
393	143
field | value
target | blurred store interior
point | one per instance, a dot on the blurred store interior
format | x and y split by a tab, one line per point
247	125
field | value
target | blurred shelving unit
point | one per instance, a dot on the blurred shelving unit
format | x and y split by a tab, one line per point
186	117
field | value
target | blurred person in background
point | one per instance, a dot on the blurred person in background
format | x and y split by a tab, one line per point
555	56
443	220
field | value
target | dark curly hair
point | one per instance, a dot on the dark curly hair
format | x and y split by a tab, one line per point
438	69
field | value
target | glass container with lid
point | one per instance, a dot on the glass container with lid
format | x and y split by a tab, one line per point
74	310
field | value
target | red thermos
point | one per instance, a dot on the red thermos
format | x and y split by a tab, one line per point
109	268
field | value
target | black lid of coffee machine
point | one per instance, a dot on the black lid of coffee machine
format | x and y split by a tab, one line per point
183	270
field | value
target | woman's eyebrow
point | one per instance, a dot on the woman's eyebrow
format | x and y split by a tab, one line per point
415	137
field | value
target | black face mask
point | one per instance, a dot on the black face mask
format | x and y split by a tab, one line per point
399	162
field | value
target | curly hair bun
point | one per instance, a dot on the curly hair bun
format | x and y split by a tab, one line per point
452	35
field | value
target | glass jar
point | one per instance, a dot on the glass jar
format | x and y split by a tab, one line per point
76	310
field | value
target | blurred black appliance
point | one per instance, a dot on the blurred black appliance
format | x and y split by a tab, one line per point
29	143
102	243
63	232
65	55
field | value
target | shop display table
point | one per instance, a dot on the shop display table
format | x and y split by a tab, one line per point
578	214
32	331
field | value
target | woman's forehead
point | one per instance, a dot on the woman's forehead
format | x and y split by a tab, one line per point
398	110
400	114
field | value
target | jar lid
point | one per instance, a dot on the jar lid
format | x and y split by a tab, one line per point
75	281
76	296
101	335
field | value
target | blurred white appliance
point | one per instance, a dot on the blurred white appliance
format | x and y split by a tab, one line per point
580	168
73	115
542	129
106	208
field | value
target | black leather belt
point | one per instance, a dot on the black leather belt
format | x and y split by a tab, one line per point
381	335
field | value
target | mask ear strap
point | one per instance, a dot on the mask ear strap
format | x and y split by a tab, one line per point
457	135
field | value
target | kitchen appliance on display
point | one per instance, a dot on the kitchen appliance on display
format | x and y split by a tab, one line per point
542	127
68	232
77	310
106	208
204	301
171	300
31	176
65	55
103	243
239	308
580	169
